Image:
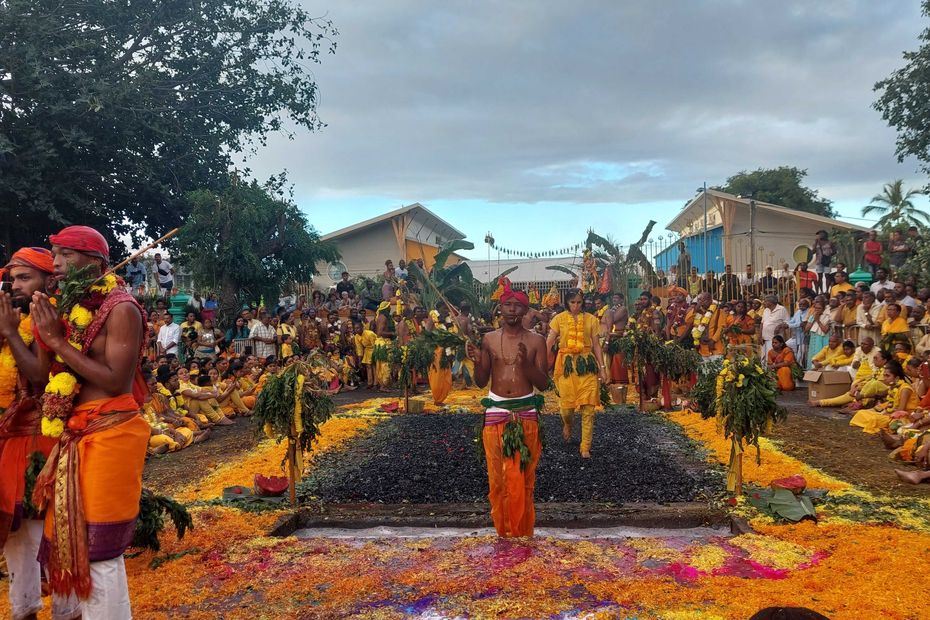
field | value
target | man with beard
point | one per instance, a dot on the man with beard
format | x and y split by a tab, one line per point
92	481
23	375
514	359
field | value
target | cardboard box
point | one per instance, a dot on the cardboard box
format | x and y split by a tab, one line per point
826	383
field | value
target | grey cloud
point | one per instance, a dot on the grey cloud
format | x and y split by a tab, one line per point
470	100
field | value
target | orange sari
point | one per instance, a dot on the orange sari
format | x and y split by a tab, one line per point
440	379
786	356
98	474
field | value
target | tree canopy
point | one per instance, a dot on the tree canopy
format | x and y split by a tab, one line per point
780	186
111	112
896	207
902	101
247	240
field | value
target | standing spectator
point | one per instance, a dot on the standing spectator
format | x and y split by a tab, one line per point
729	285
773	317
332	303
797	324
709	284
768	283
867	318
344	286
209	307
841	285
196	302
898	250
165	273
190	329
209	341
387	289
369	299
240	331
695	283
748	281
264	336
169	336
388	269
401	272
683	262
914	239
824	251
287	327
882	283
316	301
136	274
873	252
806	279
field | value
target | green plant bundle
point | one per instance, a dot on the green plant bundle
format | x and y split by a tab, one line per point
73	287
668	358
514	442
34	465
745	401
702	394
580	365
152	511
447	341
382	353
605	396
275	406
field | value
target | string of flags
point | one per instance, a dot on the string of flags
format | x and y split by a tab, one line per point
565	251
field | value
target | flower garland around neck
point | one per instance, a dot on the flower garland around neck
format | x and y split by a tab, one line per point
63	385
698	330
9	375
574	342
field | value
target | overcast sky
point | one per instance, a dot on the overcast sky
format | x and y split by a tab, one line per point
591	113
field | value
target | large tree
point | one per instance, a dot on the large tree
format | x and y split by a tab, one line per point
247	240
896	208
903	101
112	111
781	186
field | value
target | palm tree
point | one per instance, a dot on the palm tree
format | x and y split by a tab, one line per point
896	208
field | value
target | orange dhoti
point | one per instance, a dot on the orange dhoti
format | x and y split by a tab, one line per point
510	487
619	371
440	379
97	472
19	439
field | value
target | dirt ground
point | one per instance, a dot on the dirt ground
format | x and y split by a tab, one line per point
823	438
169	472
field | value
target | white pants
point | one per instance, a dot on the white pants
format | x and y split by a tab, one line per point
25	590
109	596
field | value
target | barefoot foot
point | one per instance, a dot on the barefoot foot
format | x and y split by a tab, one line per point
566	432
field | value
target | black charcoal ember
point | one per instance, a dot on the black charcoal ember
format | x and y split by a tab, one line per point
431	459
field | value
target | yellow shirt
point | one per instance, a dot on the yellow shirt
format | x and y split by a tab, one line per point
575	334
898	326
836	289
826	353
286	350
838	360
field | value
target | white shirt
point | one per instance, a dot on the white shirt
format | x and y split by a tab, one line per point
166	335
873	312
263	349
908	301
746	281
163	266
771	319
877	286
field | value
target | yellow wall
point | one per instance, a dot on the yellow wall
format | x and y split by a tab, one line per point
416	250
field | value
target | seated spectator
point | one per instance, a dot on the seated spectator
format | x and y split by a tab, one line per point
867	385
781	360
830	351
197	400
899	400
229	396
209	341
894	327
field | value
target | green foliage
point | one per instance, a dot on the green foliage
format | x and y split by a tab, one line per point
113	111
702	394
445	340
781	186
784	504
668	358
513	441
902	101
456	283
918	263
896	208
34	465
745	401
74	286
247	240
274	408
152	512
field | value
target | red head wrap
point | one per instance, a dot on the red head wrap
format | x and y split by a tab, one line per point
84	239
36	258
519	296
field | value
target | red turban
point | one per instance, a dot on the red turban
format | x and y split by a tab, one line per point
84	239
519	296
36	258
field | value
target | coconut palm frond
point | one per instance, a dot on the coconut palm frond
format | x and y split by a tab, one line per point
448	249
604	243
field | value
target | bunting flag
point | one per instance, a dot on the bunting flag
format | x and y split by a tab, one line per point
564	251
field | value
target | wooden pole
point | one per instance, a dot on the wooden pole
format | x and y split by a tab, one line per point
164	237
292	470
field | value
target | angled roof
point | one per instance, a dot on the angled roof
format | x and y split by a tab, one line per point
696	206
419	214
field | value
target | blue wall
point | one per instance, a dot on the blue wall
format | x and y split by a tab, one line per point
695	244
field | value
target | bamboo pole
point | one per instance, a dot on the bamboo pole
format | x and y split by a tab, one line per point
292	470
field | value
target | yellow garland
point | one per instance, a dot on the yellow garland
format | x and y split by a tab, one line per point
699	330
9	375
575	337
298	405
108	283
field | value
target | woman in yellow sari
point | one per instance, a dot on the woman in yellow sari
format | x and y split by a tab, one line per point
901	397
781	359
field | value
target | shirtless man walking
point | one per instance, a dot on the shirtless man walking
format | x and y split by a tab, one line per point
514	359
92	481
